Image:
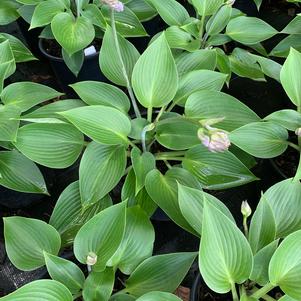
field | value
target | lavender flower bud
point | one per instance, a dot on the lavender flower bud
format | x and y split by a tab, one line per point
115	4
246	209
216	140
91	258
298	132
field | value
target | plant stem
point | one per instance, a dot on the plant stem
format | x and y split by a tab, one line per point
202	27
172	154
173	104
163	158
263	291
149	114
124	72
131	143
234	292
160	114
245	225
298	173
293	145
167	164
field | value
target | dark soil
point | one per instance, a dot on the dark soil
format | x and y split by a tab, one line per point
53	48
287	163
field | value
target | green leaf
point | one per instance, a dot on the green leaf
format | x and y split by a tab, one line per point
290	79
99	285
249	30
137	243
20	174
198	80
34	237
7	62
197	60
191	202
283	48
261	139
73	34
219	20
49	290
154	273
122	297
158	296
285	266
142	165
55	146
285	201
155	78
101	123
101	168
216	170
51	110
213	104
177	133
74	61
65	272
26	95
92	12
293	27
260	272
9	122
171	11
8	12
141	9
263	226
163	189
207	7
225	256
287	298
68	215
101	235
45	11
98	93
109	59
289	119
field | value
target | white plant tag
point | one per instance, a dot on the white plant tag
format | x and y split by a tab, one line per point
90	50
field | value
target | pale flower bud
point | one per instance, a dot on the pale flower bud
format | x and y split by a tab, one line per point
115	4
246	209
215	141
91	258
298	132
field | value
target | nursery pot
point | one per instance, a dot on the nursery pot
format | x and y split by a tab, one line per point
89	71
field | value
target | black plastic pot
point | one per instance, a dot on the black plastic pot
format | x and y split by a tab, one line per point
90	70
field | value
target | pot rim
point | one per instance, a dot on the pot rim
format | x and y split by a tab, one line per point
59	59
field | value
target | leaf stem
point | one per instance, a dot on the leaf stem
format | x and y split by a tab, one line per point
293	145
245	225
149	114
234	292
164	158
128	84
263	291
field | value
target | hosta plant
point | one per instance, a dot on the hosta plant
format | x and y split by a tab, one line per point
113	251
74	24
263	258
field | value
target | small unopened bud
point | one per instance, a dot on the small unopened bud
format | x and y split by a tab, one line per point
246	209
215	140
115	4
298	132
91	258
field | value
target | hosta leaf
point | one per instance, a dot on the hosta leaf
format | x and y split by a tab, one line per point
289	119
198	80
153	274
9	122
7	62
109	60
285	265
98	93
102	124
213	104
216	170
155	78
101	168
49	290
158	296
68	215
207	7
20	174
137	242
8	12
191	202
225	256
65	272
287	298
260	272
55	146
73	34
101	235
26	95
283	48
177	133
261	139
142	165
163	189
263	226
249	30
290	79
285	201
293	27
219	20
34	236
99	285
171	11
142	9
